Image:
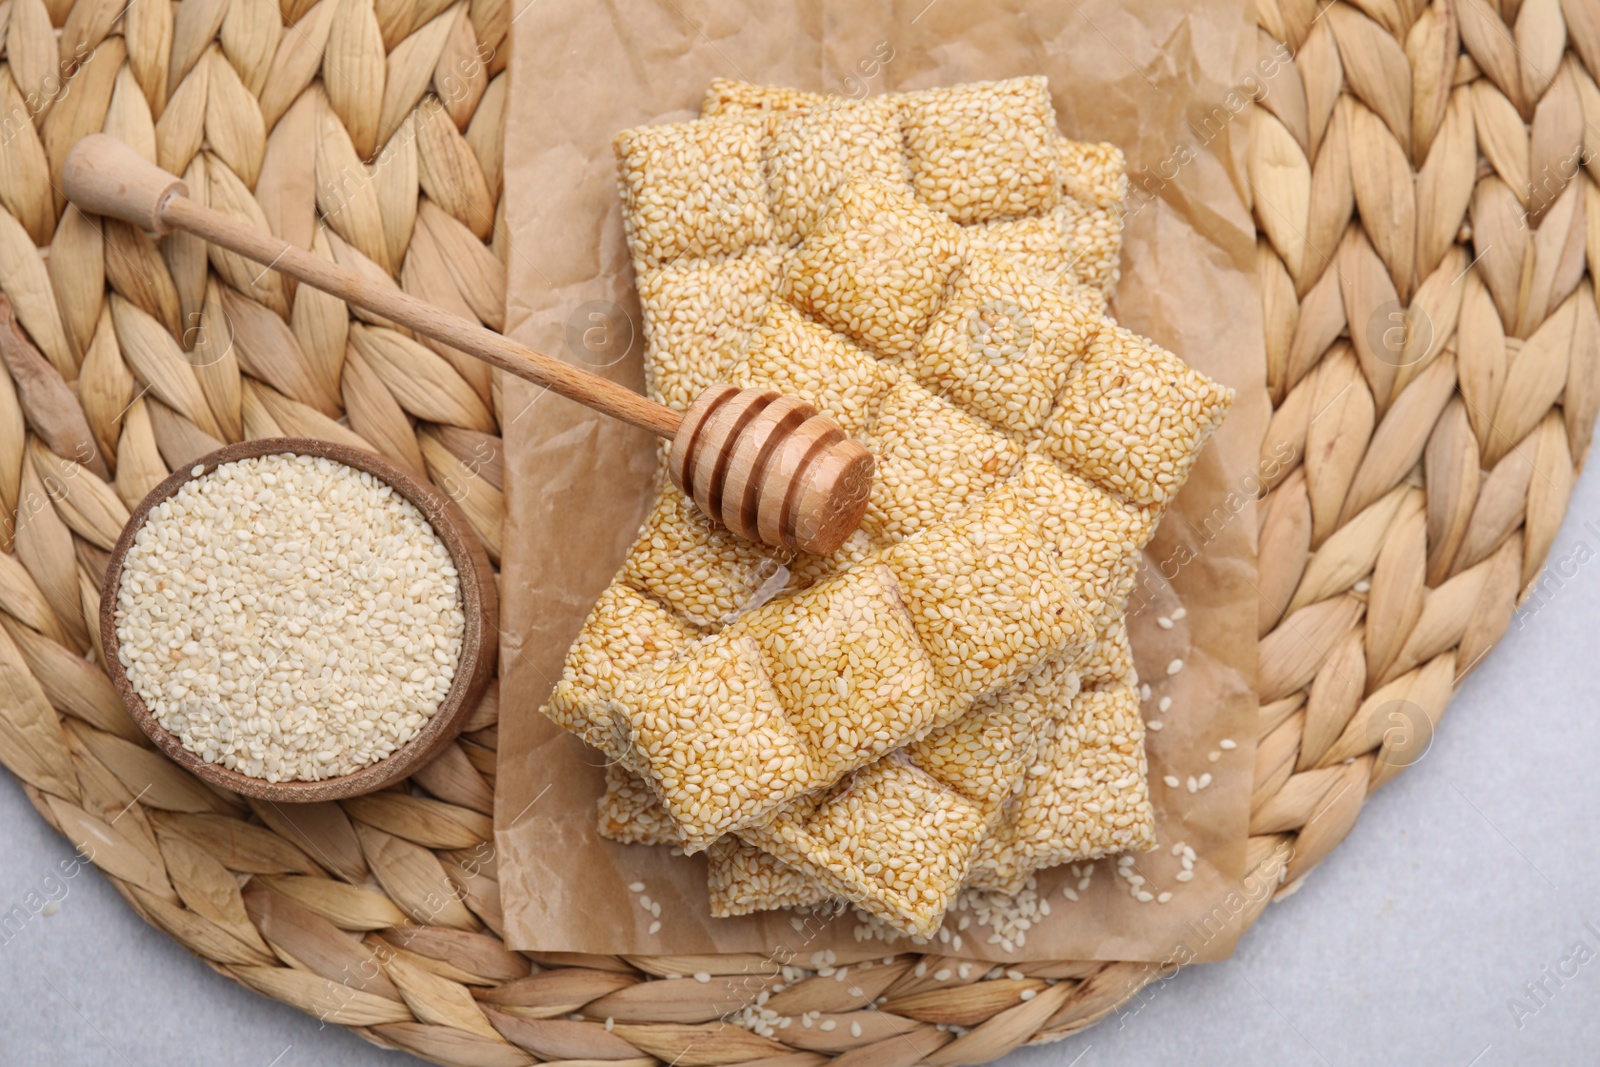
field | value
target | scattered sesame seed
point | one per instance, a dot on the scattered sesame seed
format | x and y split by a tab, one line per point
1213	756
1154	724
855	1028
1165	705
1205	780
1171	780
827	1024
1174	667
1228	743
702	977
1029	994
1164	622
1179	613
1193	784
1164	897
1184	876
636	887
942	974
655	927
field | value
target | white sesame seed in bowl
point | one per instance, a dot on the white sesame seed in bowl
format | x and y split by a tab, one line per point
298	620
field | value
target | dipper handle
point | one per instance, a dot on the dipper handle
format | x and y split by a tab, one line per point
791	479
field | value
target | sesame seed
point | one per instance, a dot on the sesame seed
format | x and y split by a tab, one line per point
1029	994
1228	744
289	618
855	1028
655	927
1164	705
731	263
1179	613
1174	667
1164	622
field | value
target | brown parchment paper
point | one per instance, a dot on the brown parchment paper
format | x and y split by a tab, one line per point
1154	79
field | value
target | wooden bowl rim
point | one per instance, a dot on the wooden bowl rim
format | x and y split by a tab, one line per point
479	639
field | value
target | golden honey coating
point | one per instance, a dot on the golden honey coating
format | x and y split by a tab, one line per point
694	565
987	596
1132	416
975	764
1109	663
803	358
805	570
849	667
1087	797
693	189
626	631
698	314
1040	244
1001	344
1080	231
875	267
632	813
814	150
713	737
932	830
984	151
929	442
741	879
933	459
1095	236
983	755
1098	534
799	692
727	96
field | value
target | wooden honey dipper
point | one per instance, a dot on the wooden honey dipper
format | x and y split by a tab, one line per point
765	465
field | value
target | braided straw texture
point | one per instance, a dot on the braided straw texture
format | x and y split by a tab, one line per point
1426	209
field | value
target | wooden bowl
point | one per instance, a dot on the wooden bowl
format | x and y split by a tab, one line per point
479	641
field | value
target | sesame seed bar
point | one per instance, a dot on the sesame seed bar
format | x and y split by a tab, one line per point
1075	236
793	695
1086	796
1081	796
853	364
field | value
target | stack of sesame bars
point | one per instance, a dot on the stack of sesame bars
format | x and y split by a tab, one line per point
949	700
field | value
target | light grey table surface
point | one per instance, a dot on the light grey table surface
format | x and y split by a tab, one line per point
1469	877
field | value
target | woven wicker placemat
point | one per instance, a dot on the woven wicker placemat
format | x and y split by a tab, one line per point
1425	206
